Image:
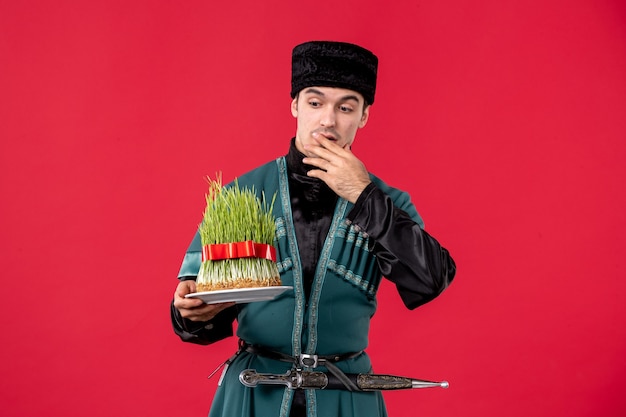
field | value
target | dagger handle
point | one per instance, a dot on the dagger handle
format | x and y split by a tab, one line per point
293	379
311	379
251	378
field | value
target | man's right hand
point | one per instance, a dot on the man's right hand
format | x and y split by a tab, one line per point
195	309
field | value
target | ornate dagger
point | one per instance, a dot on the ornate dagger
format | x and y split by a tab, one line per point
294	379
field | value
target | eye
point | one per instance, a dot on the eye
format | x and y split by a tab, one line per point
314	103
345	109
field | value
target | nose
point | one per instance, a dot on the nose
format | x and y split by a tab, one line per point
328	118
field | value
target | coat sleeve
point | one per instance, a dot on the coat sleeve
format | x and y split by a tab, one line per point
406	254
206	332
203	332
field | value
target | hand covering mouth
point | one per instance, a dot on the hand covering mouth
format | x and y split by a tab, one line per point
327	133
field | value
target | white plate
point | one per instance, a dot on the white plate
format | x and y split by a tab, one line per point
240	295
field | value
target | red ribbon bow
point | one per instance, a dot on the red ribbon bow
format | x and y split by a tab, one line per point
247	249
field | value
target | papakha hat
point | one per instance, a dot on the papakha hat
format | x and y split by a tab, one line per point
334	64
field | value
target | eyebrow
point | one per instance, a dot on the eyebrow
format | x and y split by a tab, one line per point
312	90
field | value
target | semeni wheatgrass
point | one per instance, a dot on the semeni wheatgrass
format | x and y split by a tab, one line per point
235	214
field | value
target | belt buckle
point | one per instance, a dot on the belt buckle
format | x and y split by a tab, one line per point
307	360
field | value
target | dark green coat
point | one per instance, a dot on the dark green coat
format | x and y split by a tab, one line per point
335	320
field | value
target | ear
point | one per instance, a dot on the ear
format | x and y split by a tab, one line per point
294	107
365	116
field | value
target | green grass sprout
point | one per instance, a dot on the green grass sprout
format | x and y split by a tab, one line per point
234	214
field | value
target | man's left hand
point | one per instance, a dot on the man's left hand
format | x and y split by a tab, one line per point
338	167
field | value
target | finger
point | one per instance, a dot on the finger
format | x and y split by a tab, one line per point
185	287
327	144
318	173
324	141
201	312
317	162
187	303
319	152
206	312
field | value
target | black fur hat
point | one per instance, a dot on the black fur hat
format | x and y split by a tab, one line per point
334	64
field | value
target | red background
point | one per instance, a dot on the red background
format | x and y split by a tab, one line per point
506	121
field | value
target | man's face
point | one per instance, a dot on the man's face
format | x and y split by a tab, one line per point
335	113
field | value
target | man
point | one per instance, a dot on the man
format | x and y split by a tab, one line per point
340	229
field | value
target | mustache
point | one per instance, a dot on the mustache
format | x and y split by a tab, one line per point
328	132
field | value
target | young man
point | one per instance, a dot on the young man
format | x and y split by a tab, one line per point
340	229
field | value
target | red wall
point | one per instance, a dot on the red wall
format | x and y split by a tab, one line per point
506	120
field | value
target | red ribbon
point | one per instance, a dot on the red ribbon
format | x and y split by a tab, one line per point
247	249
